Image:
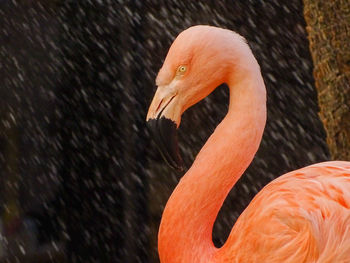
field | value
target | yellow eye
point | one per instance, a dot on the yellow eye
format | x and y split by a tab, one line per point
181	70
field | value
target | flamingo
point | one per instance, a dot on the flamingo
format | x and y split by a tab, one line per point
302	216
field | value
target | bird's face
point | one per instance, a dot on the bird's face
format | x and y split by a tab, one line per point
193	68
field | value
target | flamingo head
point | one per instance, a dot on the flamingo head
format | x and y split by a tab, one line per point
199	60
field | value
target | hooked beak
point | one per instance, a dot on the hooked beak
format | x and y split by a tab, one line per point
163	118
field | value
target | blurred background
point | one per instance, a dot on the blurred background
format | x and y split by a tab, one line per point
80	178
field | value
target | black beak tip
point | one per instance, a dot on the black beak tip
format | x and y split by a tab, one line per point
164	132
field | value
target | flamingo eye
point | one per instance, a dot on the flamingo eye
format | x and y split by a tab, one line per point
181	70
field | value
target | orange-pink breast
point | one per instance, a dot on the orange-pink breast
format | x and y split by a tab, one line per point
303	216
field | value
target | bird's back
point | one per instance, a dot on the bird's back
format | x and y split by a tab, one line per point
302	216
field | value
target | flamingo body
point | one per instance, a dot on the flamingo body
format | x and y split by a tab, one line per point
302	216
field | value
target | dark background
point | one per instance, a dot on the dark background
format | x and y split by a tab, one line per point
76	80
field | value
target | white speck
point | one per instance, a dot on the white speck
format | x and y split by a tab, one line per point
271	77
20	76
22	250
12	118
54	245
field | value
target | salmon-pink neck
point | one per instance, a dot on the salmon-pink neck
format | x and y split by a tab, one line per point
185	233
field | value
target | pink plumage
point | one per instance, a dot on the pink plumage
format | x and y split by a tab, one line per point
302	216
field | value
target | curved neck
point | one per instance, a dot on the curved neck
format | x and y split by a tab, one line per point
185	233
